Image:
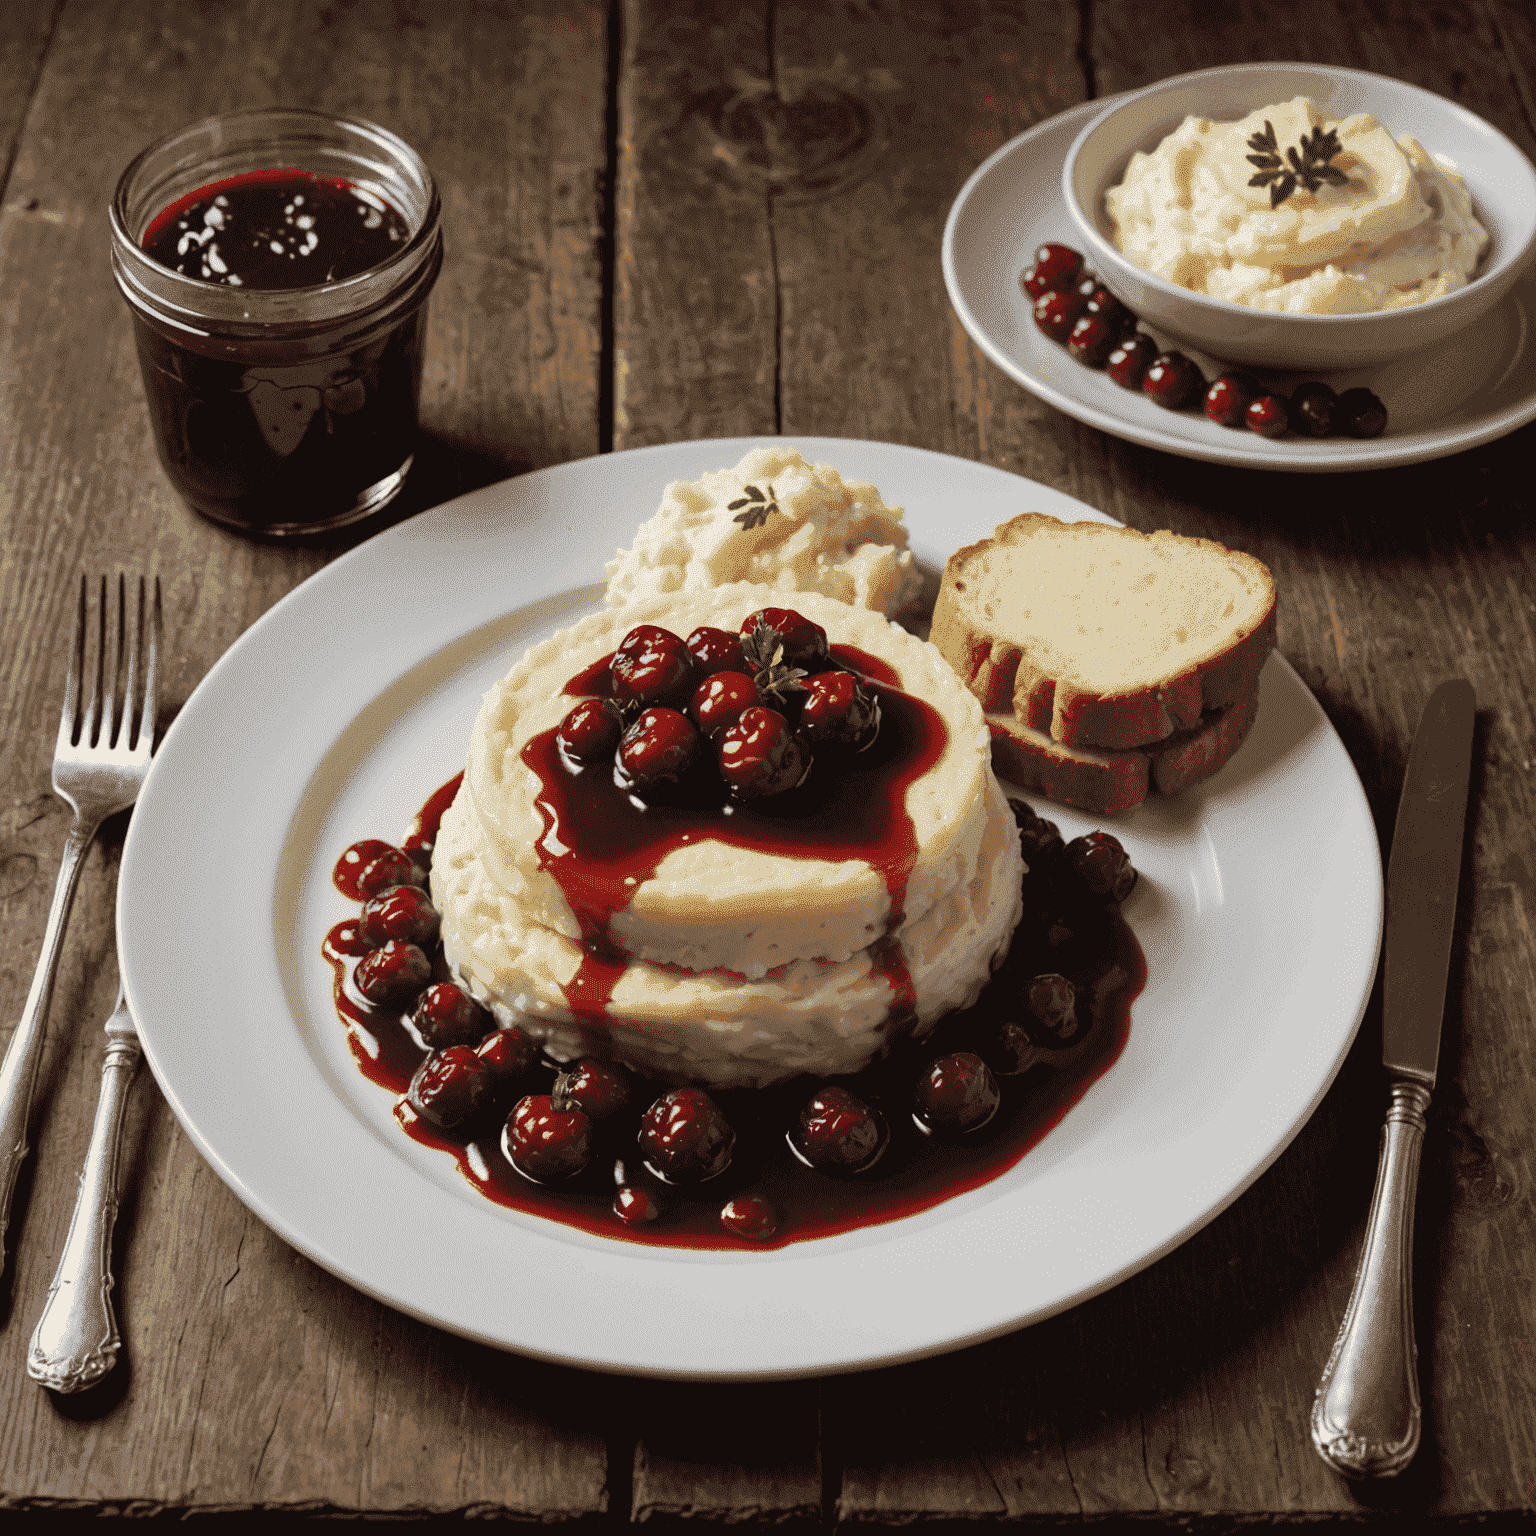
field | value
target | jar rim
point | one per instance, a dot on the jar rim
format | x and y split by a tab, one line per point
237	134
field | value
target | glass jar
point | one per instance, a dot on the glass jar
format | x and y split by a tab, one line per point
281	411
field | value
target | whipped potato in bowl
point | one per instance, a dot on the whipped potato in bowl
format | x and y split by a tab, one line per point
1392	227
1248	282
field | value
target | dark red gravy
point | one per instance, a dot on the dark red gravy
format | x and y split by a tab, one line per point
858	813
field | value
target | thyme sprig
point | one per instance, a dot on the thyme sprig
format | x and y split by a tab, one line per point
1309	169
764	651
758	506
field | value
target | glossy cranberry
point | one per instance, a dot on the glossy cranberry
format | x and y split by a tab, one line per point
547	1139
597	1090
1055	267
836	707
1173	381
804	643
1360	413
839	1133
1228	397
720	700
684	1138
1128	362
1269	415
956	1095
450	1087
1052	1003
636	1206
1093	338
402	912
350	866
760	755
344	939
1312	408
715	650
1040	840
1099	864
1120	321
749	1216
659	745
591	731
651	666
509	1053
392	975
372	866
447	1015
1056	313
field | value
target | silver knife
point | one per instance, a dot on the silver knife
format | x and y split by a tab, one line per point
1366	1415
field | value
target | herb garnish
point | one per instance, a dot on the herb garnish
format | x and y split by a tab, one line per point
1310	168
758	507
764	651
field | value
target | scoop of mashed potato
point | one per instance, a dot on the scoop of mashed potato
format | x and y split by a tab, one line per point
1400	231
778	521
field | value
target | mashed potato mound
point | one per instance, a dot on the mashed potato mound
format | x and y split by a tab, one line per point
778	521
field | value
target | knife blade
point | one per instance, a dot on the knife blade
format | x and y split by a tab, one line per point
1422	875
1366	1417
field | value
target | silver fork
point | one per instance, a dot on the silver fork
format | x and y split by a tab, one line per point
99	762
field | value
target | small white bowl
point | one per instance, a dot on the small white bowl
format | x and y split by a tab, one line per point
1502	182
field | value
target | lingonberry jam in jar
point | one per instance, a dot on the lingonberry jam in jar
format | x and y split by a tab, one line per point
277	265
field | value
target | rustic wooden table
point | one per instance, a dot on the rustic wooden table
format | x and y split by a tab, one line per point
670	219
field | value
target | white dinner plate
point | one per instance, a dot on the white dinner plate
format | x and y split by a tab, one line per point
1473	389
1259	909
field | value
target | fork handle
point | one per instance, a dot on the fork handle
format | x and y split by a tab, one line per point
76	1340
19	1070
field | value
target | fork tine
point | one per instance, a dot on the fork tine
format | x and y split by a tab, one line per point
72	678
148	717
131	685
88	722
118	701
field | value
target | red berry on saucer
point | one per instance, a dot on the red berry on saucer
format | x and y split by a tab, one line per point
1100	865
956	1095
749	1216
391	976
402	912
1054	268
1093	338
1269	415
1173	381
547	1138
636	1206
839	1133
684	1138
447	1015
1228	397
1312	408
450	1087
1052	1003
509	1053
1128	362
597	1090
1057	312
1359	413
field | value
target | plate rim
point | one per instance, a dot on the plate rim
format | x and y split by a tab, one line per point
436	525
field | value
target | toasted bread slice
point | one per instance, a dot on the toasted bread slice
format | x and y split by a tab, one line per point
1104	783
1101	636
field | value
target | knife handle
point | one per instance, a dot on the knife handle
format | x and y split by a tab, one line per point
1366	1415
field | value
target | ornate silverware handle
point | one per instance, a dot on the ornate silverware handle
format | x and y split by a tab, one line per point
19	1070
76	1341
1366	1416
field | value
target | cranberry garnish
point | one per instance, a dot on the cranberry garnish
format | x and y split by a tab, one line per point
1052	1002
715	650
1269	415
1228	397
1172	381
1093	338
837	708
956	1095
659	745
1054	268
636	1206
749	1216
391	976
804	643
684	1138
839	1133
447	1015
596	1090
1039	839
509	1053
1099	863
547	1138
450	1087
760	755
371	866
1057	312
402	912
1360	413
591	731
651	666
1128	362
719	700
344	939
1312	407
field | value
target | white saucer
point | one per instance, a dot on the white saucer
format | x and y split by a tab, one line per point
1440	401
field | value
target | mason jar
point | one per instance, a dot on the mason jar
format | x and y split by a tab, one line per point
283	401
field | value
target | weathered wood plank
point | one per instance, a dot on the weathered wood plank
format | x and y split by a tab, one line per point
253	1379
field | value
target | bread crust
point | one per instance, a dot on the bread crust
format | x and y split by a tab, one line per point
998	671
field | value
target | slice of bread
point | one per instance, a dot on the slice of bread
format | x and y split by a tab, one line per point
1105	783
1101	636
